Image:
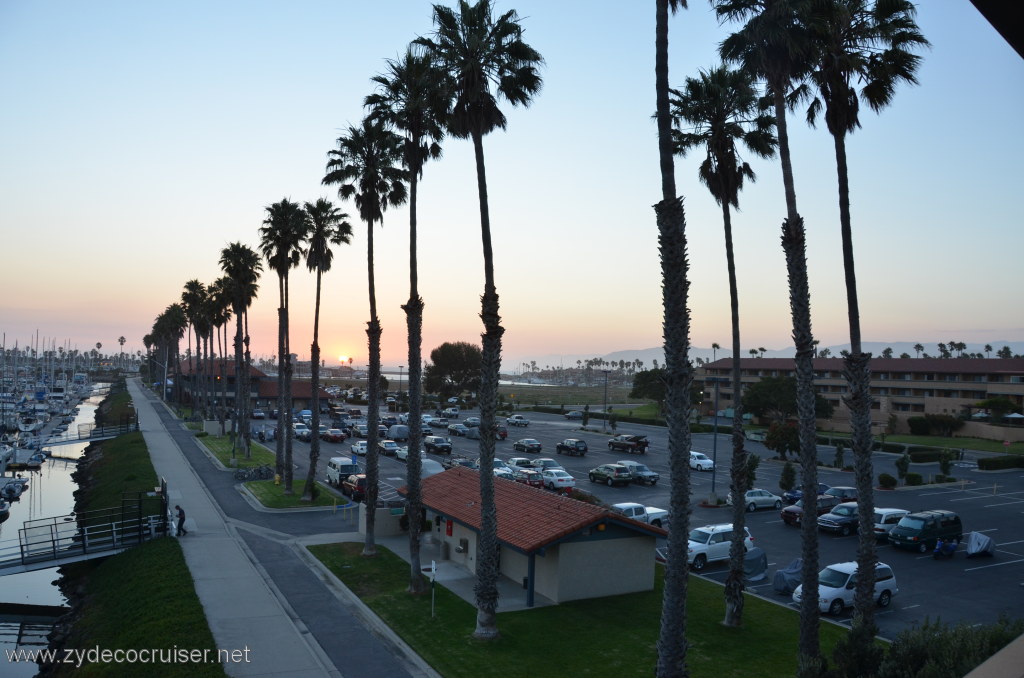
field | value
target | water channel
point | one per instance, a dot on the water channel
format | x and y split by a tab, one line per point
50	493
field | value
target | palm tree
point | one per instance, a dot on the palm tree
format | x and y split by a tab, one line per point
192	299
328	226
487	60
773	46
671	220
242	266
366	168
414	97
121	341
719	110
220	314
282	236
867	43
168	329
917	350
988	350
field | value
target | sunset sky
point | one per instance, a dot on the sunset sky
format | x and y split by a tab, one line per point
137	139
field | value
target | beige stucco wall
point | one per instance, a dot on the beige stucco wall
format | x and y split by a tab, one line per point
610	567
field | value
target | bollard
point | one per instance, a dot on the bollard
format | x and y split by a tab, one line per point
277	478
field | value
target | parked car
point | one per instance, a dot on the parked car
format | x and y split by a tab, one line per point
701	462
389	420
437	445
544	463
575	414
529	477
794	495
361	430
517	420
354	486
631	444
504	472
645	514
843	492
339	468
438	422
500	432
574	447
920	531
302	432
333	435
402	454
841	520
792	514
471	422
557	479
457	429
451	412
886	519
711	543
387	447
837	585
758	498
641	474
527	445
259	414
519	462
359	447
610	475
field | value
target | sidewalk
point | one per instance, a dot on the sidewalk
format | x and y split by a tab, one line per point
241	609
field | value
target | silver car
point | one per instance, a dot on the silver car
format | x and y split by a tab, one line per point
758	498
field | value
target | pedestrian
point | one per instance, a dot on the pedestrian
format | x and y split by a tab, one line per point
181	520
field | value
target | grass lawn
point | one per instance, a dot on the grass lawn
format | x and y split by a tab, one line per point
221	448
272	496
123	465
942	441
611	637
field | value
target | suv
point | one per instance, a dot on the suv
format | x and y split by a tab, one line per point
354	486
837	583
921	530
641	474
437	445
711	543
701	462
572	446
842	519
611	474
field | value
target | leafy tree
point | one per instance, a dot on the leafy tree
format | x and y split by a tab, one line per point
586	415
1004	352
776	397
750	477
887	352
943	424
917	349
934	648
787	481
782	438
837	461
366	166
282	237
650	385
414	98
454	369
870	43
328	226
998	406
904	355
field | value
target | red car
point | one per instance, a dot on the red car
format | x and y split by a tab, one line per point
529	477
354	486
826	502
333	435
500	432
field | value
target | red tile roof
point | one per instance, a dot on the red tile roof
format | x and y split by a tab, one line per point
938	365
300	389
219	367
529	518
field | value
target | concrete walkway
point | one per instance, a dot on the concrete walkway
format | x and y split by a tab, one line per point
260	589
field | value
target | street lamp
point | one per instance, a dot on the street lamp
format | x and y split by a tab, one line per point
400	368
714	442
604	424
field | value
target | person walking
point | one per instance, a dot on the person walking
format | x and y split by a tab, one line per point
181	520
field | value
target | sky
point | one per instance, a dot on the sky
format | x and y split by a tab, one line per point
138	139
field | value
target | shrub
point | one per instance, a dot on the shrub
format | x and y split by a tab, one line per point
895	448
788	479
886	481
937	649
940	478
838	461
925	456
201	434
918	426
914	479
1001	462
902	466
753	461
946	461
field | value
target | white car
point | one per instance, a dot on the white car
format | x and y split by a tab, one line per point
701	462
557	479
504	472
758	498
402	454
711	543
359	447
387	447
519	462
837	584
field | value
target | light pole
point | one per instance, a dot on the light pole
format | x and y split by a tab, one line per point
604	423
714	443
400	368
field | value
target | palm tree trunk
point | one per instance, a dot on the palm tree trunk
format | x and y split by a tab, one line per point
857	370
283	421
247	388
288	400
222	332
809	663
486	588
373	332
314	379
672	642
414	320
663	117
239	382
738	470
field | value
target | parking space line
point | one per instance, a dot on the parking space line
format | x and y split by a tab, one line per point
909	607
985	567
1006	503
1007	543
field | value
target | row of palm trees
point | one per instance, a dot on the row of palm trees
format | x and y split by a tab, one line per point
836	54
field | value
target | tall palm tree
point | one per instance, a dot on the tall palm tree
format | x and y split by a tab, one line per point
715	112
715	348
414	98
169	328
487	60
328	226
366	166
282	237
220	306
120	340
241	264
192	299
671	219
867	43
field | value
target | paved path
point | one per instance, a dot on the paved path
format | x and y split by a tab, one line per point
260	589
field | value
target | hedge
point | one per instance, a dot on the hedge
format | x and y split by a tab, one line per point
1001	462
924	455
914	479
886	481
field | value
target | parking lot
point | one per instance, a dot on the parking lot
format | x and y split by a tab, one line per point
976	590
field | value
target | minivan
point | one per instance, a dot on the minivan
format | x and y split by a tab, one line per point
886	519
919	531
339	468
836	585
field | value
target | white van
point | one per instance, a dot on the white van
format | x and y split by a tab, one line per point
836	584
339	468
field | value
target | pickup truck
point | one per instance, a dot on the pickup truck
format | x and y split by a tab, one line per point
517	420
631	444
645	514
